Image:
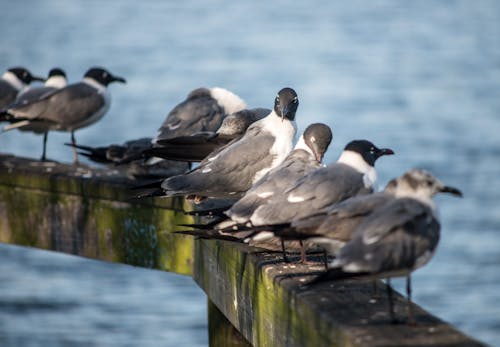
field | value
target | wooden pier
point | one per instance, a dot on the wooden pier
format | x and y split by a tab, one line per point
254	298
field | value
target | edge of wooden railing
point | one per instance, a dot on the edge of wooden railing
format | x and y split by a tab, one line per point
89	212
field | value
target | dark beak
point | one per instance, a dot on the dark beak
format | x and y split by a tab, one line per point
451	190
317	153
118	79
385	151
37	78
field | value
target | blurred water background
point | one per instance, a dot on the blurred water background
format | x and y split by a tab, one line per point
420	77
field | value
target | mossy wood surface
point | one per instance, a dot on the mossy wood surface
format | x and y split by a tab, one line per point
89	212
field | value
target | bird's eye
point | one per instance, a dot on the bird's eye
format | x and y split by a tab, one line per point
104	75
372	150
25	74
429	183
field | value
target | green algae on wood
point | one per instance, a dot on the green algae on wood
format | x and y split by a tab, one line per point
59	210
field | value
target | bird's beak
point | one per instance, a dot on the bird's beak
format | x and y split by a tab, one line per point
385	151
37	78
119	79
284	112
451	190
317	153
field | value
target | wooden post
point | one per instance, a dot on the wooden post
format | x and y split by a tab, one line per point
221	333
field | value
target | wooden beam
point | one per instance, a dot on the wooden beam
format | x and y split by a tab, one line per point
89	212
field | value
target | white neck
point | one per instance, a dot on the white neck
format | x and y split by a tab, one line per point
56	82
422	195
13	80
230	101
93	83
301	144
284	131
356	161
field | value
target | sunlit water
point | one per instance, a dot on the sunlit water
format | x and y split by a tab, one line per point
422	78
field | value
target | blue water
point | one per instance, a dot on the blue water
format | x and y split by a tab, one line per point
420	77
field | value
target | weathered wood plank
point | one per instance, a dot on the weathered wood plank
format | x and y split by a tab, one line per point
89	213
265	300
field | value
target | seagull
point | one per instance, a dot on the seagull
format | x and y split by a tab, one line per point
67	109
237	167
396	238
55	80
353	174
304	159
203	110
197	146
13	81
117	154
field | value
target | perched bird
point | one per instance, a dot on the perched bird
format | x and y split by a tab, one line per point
237	167
304	159
353	174
116	154
396	238
67	109
203	110
12	82
197	146
55	80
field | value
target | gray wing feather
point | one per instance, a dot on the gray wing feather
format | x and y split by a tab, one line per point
297	164
65	107
318	190
230	169
392	239
197	114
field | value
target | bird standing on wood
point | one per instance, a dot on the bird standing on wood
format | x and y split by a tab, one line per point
67	109
396	238
232	171
55	81
13	81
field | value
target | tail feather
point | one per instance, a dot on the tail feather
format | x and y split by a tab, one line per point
179	153
150	189
207	226
16	124
209	234
218	212
335	274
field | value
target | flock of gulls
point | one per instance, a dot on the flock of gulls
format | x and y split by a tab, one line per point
276	195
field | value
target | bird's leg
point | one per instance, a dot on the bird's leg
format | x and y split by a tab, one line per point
375	288
303	256
45	134
73	142
325	259
411	316
283	250
391	303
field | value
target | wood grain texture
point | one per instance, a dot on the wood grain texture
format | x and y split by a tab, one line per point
88	212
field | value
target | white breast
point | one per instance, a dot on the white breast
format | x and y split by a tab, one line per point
13	80
284	132
356	161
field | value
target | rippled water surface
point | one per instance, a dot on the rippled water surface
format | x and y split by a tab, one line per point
422	78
